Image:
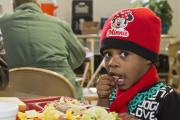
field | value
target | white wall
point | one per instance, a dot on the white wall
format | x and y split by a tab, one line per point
101	8
6	6
104	8
64	10
175	29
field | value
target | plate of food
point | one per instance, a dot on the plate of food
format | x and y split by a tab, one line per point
64	108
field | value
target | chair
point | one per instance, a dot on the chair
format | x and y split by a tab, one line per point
90	93
85	76
172	50
86	73
92	80
32	82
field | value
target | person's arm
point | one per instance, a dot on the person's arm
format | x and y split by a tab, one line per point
76	50
4	73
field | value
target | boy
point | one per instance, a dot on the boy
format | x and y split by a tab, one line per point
130	43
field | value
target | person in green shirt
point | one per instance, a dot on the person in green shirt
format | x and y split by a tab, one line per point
4	74
33	38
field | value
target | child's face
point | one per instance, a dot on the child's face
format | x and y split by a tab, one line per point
126	67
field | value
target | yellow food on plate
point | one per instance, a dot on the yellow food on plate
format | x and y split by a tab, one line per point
26	116
50	113
69	109
69	115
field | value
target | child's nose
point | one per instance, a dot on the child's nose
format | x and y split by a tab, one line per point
114	61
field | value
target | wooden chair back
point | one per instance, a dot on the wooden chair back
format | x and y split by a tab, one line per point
31	81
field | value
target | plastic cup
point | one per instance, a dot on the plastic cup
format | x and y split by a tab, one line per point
8	111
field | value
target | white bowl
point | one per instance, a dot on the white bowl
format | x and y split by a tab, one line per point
8	111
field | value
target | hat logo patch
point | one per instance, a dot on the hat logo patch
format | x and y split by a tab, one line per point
119	23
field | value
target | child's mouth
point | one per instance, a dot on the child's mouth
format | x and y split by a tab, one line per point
119	80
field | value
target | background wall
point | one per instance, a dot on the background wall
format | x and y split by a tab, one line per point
176	17
5	6
102	8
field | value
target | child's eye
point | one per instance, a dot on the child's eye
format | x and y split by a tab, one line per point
124	54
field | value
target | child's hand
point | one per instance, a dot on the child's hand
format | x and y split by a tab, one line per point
105	85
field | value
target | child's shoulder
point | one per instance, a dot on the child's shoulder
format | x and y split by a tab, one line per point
155	93
162	89
158	95
159	91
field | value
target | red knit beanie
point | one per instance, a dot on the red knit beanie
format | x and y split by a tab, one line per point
135	29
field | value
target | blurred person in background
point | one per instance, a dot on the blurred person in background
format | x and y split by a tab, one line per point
130	44
35	39
4	74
